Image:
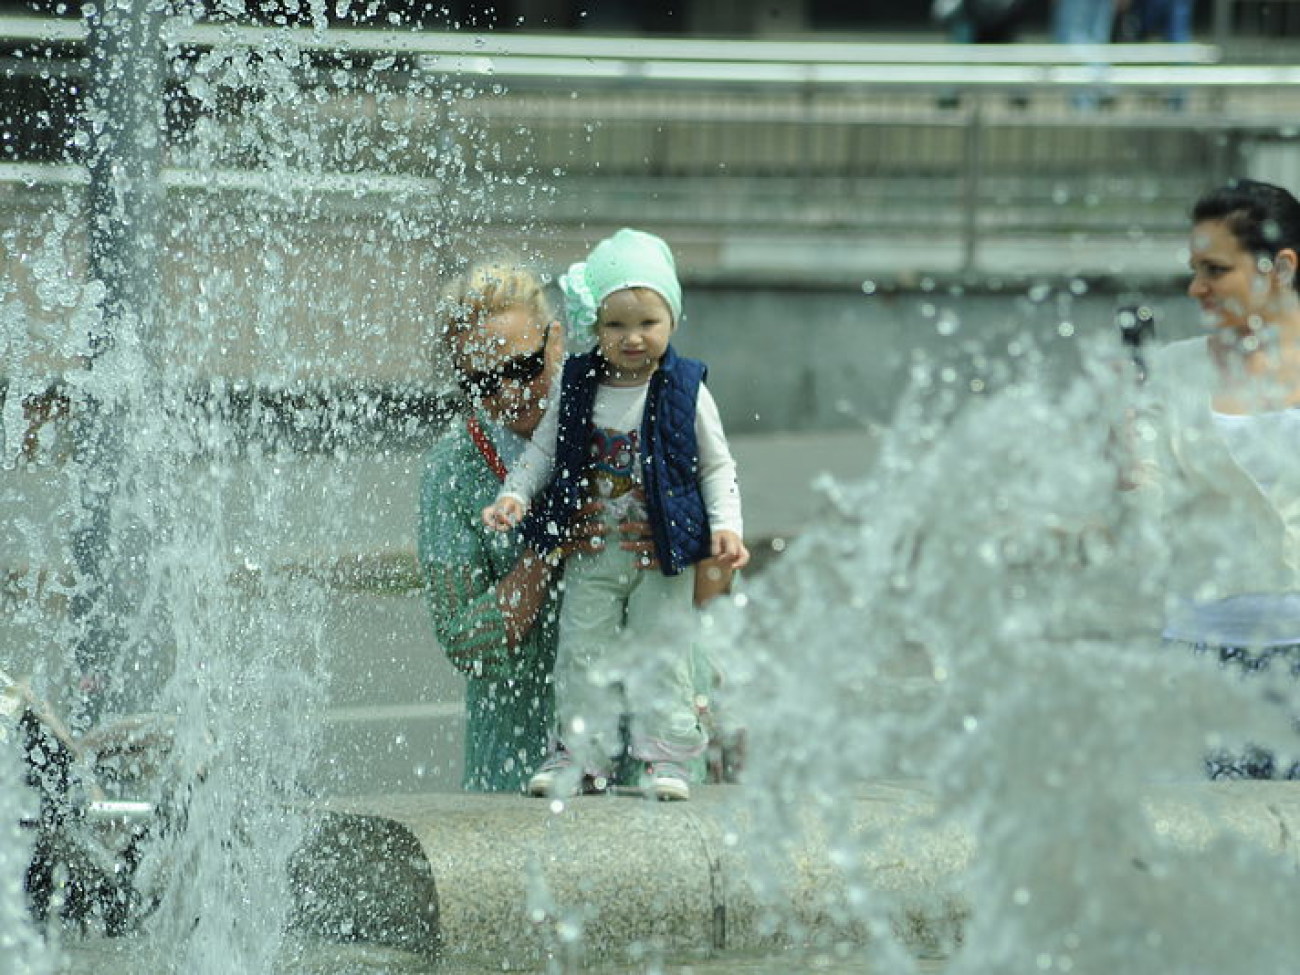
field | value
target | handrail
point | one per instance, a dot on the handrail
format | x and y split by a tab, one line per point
568	46
235	180
878	75
565	59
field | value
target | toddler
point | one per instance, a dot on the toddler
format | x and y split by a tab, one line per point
630	424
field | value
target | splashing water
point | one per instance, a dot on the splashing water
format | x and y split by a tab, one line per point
980	617
20	943
192	596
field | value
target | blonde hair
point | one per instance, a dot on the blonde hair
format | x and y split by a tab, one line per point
489	289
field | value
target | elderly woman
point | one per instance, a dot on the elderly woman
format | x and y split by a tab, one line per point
493	601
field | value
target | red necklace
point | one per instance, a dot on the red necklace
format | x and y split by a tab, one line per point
485	447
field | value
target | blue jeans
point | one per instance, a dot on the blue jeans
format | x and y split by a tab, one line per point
1165	20
1083	21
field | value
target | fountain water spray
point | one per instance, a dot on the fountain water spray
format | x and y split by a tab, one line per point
981	616
201	305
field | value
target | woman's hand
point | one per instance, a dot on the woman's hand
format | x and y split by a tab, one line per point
712	580
587	531
586	534
635	536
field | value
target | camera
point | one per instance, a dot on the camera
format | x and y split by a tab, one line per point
1137	326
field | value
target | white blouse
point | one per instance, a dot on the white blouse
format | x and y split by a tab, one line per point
1266	446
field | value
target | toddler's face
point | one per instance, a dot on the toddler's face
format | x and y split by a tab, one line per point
633	330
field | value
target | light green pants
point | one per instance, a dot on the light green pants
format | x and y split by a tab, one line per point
625	648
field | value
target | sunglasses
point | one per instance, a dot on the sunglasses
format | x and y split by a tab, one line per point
522	369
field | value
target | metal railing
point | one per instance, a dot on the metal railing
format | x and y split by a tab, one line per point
948	142
1238	22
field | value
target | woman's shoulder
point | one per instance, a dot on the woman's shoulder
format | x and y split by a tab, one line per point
451	454
1183	351
450	445
1184	362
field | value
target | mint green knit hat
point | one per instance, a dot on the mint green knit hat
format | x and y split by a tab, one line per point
628	259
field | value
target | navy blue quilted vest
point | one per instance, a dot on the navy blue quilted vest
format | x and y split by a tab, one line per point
670	460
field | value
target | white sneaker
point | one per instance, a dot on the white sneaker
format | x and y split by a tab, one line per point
666	780
553	776
558	777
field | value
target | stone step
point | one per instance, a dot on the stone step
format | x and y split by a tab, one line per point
511	881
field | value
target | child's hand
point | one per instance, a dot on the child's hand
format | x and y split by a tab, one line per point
503	514
729	549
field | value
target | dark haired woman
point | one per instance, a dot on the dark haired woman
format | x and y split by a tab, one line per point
1226	448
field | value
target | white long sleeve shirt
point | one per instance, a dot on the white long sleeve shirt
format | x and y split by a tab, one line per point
616	455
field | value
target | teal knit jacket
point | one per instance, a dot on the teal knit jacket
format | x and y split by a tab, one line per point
509	700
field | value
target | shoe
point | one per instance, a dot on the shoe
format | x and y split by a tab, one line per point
666	780
556	778
555	775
